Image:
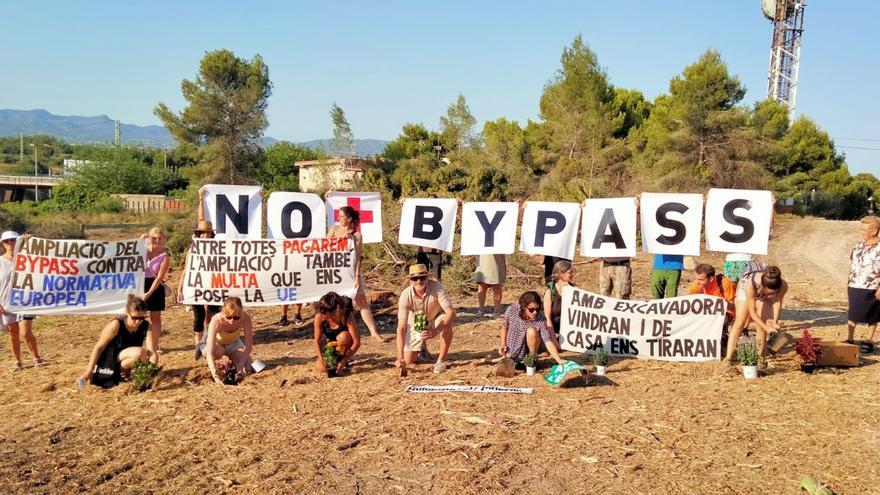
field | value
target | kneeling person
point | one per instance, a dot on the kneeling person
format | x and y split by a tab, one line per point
334	322
429	297
224	337
525	329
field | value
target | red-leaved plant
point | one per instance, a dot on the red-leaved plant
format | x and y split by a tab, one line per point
807	348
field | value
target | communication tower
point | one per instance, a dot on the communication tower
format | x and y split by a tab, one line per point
787	17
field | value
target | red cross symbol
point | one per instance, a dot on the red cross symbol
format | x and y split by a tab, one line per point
366	216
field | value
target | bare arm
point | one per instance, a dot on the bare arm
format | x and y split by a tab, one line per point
107	334
203	191
319	334
183	275
752	307
149	341
402	317
355	342
548	308
247	326
209	349
777	304
502	347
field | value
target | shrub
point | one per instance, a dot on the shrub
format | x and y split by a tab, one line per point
807	349
529	360
747	352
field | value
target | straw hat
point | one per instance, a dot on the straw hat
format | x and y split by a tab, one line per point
418	270
204	226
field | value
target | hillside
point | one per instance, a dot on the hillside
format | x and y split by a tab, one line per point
100	128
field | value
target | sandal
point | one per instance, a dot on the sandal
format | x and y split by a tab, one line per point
39	362
16	366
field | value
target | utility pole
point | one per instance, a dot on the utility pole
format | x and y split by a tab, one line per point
21	148
117	133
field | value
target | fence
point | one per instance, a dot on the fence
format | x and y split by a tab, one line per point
148	203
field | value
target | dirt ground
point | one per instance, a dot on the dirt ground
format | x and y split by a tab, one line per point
647	427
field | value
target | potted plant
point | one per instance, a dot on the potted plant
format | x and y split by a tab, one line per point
808	351
331	358
530	360
747	353
227	372
600	359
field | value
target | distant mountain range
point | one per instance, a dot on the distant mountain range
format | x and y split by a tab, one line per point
100	129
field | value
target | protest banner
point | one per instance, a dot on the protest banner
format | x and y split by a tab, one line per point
550	228
235	211
686	328
268	272
671	223
608	228
488	228
738	221
291	215
368	204
73	277
428	222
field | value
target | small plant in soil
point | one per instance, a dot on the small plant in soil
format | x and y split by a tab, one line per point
227	372
142	374
331	358
530	360
747	352
420	322
807	349
600	358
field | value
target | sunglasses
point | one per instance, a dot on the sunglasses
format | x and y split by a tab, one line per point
532	310
234	317
137	318
419	279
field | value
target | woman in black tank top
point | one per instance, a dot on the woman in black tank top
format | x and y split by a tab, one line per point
334	322
129	335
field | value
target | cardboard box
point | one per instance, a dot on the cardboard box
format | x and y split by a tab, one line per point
837	354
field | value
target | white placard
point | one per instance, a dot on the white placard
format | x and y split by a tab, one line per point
671	223
608	228
293	215
550	228
50	276
428	222
235	211
738	220
368	204
488	228
686	328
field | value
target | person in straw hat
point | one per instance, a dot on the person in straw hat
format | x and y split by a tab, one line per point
20	326
424	298
202	313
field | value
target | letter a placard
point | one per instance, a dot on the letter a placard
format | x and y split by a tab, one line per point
608	227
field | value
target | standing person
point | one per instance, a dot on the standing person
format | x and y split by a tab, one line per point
155	271
863	289
615	277
347	226
734	265
334	322
202	313
549	262
759	297
666	275
562	276
430	298
524	329
20	327
128	336
491	273
432	258
297	317
224	337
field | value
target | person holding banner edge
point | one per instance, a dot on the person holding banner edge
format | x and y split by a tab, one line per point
347	226
157	264
759	297
429	298
202	313
19	327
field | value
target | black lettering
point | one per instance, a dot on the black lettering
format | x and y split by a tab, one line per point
730	216
427	216
489	227
608	222
544	227
664	221
287	220
225	211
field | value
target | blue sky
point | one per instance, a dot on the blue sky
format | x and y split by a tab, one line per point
388	63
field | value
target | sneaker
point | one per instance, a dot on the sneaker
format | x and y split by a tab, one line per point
198	353
16	366
283	321
439	367
39	362
297	320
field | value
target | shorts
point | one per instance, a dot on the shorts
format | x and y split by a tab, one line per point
156	302
15	318
734	269
615	280
228	349
412	341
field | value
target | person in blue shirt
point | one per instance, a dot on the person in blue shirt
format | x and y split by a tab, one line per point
665	275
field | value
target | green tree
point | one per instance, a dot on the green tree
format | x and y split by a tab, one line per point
808	149
697	136
278	170
457	126
415	140
225	115
343	139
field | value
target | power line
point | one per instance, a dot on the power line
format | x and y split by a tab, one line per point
858	139
858	148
